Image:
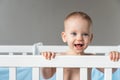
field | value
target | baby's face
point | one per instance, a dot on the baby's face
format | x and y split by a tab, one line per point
77	34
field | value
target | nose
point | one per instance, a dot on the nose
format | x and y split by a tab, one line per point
79	37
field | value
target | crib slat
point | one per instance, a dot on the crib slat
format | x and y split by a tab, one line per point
24	53
83	73
11	53
108	74
12	73
35	73
59	74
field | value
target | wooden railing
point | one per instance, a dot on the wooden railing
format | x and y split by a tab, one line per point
36	61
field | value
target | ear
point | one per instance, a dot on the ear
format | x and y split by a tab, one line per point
91	38
63	35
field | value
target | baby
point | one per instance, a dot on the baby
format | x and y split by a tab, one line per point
78	35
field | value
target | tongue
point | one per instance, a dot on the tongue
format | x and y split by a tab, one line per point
78	46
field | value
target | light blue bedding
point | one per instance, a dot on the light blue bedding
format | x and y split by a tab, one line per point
4	74
97	75
26	74
22	74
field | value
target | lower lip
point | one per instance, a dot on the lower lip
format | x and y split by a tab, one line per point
78	47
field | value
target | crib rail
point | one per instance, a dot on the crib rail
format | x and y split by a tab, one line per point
59	61
55	48
16	48
83	62
90	49
36	61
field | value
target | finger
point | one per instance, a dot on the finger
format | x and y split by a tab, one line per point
53	55
117	56
114	55
111	56
43	54
48	55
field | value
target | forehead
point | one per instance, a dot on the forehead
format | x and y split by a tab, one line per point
76	22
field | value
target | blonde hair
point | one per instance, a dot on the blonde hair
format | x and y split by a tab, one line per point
81	14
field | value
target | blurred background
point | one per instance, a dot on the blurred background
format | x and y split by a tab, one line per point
25	22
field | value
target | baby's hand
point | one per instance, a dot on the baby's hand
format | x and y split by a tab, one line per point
48	55
114	56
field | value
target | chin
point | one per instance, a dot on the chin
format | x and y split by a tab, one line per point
79	51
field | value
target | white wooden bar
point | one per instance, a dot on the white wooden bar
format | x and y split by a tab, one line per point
35	73
108	74
36	61
16	48
92	49
24	53
59	61
12	73
59	74
10	53
57	48
83	74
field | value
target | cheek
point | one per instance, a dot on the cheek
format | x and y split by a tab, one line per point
87	40
70	39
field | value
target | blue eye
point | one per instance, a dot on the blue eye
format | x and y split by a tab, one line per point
85	34
74	33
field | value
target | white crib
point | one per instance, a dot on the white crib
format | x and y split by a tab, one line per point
23	56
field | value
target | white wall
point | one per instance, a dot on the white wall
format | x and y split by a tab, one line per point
24	22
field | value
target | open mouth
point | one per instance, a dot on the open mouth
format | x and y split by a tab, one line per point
78	45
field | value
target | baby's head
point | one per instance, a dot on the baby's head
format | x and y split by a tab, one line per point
77	31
